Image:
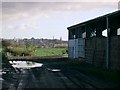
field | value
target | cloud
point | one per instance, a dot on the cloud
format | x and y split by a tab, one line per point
30	10
27	26
24	26
60	1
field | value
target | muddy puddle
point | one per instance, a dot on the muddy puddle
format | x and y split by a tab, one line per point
53	70
25	64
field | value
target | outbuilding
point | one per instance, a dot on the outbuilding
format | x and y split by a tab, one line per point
88	40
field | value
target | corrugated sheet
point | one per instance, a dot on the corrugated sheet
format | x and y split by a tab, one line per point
71	48
76	48
81	47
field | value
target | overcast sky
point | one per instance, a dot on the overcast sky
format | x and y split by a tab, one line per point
48	19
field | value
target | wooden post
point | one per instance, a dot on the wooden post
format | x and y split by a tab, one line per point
74	46
108	44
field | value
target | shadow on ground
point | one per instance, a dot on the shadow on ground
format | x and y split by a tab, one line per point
59	73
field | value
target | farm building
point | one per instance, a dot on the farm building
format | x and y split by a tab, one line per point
88	40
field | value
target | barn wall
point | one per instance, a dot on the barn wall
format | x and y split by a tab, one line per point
81	47
95	51
115	52
71	48
76	48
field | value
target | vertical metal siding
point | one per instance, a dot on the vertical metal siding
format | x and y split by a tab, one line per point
81	47
71	48
76	48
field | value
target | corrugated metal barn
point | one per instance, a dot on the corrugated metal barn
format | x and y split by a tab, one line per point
87	40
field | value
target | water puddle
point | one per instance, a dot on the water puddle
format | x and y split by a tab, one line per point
1	75
1	79
54	70
25	64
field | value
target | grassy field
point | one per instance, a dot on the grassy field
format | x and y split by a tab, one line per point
36	51
49	51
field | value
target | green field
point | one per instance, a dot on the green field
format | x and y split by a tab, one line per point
37	51
49	51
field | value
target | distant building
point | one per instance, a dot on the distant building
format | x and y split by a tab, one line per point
64	45
60	38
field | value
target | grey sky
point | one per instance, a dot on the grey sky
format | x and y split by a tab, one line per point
28	19
27	9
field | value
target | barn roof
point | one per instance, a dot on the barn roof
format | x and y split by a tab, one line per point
116	13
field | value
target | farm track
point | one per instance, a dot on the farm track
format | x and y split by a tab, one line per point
64	78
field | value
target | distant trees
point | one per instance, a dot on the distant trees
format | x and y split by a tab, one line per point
5	43
36	42
27	47
20	51
3	54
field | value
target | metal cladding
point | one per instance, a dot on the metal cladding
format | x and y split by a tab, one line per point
76	48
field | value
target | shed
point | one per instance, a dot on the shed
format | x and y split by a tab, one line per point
86	40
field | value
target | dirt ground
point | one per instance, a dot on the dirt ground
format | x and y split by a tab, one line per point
55	73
